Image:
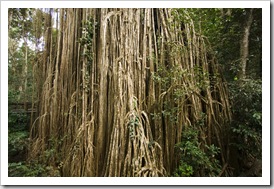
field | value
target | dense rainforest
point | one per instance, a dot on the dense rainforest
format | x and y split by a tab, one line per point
135	92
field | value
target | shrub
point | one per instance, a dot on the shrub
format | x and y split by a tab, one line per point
247	117
196	161
33	169
17	145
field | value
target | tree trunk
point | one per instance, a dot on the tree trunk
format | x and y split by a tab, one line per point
244	44
25	75
100	97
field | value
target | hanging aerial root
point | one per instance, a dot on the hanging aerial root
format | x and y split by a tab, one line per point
144	161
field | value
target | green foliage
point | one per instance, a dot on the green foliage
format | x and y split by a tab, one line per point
87	42
17	142
171	78
247	120
87	37
33	169
21	51
13	96
195	159
224	28
17	149
184	170
20	22
17	135
134	122
255	46
17	146
17	121
168	77
202	78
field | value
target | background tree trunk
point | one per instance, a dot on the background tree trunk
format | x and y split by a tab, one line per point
244	44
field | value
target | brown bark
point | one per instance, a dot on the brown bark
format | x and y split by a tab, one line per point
99	111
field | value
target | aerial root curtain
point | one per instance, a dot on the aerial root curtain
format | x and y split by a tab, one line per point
98	92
